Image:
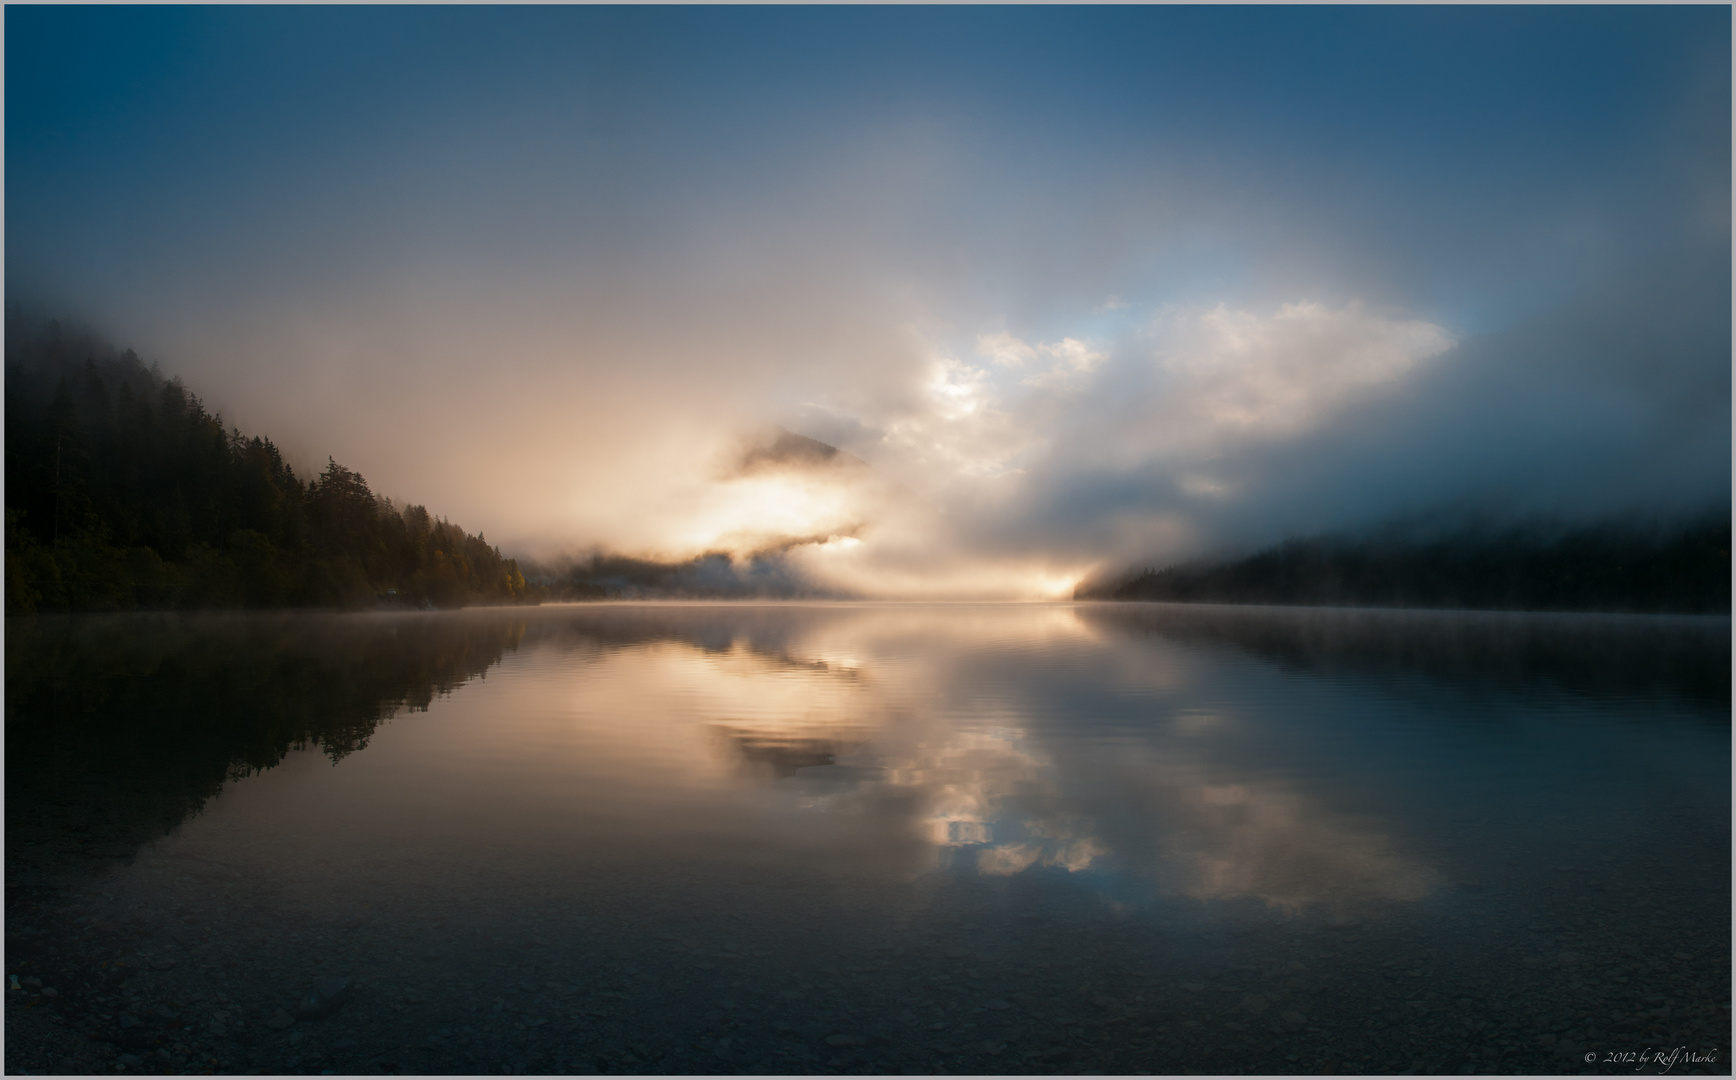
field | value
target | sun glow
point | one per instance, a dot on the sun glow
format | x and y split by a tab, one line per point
756	513
874	566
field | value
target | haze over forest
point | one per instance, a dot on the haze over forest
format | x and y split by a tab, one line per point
1071	291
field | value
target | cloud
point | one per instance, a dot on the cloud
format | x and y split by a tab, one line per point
988	457
1109	312
1005	349
1238	375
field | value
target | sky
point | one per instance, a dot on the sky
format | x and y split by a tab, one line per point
1078	289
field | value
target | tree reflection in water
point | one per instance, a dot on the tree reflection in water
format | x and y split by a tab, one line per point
118	727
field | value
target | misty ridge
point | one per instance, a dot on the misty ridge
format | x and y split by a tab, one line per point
124	492
715	575
764	572
1680	566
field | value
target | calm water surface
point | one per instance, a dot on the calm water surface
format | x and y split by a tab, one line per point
873	838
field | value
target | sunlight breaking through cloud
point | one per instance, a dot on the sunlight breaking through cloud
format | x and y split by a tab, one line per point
1177	394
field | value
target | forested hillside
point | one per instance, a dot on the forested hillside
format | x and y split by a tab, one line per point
123	491
1684	567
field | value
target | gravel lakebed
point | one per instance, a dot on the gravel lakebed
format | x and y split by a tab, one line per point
174	964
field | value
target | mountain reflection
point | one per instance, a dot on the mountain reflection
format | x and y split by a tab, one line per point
1680	658
119	727
781	752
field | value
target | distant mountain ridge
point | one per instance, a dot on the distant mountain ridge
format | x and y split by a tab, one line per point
1683	568
762	573
786	449
713	576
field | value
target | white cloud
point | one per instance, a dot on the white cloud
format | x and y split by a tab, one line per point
1241	374
1005	349
990	461
1068	359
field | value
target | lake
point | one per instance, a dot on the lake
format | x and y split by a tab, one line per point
869	838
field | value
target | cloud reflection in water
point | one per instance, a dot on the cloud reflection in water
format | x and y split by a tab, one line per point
950	729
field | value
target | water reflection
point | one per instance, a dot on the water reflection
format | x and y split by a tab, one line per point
1682	659
888	773
1129	737
118	728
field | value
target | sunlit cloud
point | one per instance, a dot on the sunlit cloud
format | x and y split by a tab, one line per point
1170	399
1004	348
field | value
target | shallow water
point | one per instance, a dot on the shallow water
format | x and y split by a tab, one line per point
875	838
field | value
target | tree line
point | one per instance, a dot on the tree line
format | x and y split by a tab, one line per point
123	491
1614	567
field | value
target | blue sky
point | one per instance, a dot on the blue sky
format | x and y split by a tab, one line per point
682	222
